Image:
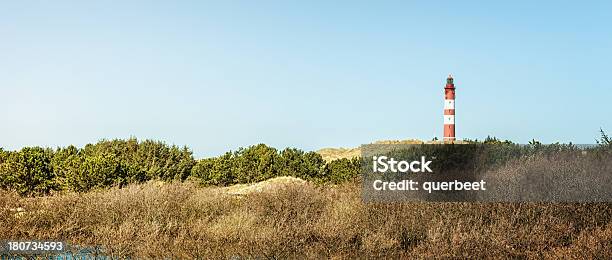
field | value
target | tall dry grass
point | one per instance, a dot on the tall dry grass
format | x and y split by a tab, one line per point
182	220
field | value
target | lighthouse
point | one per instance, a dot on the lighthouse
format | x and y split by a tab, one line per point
449	110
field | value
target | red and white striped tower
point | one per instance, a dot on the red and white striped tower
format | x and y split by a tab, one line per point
449	110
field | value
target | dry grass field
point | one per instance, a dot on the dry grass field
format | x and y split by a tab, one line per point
297	219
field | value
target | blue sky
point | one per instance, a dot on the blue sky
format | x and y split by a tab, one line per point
310	74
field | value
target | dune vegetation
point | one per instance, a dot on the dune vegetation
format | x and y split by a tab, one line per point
150	200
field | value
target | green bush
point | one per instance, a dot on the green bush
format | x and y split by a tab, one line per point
297	163
28	171
3	155
66	162
97	171
255	163
146	160
214	171
258	163
341	170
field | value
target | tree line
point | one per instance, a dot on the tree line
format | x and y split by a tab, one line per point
39	171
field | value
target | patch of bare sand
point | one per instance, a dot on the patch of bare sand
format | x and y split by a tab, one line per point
263	186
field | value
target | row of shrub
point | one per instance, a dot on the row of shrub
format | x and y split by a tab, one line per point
476	156
260	162
36	170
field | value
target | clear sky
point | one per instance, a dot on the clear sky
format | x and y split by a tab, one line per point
309	74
